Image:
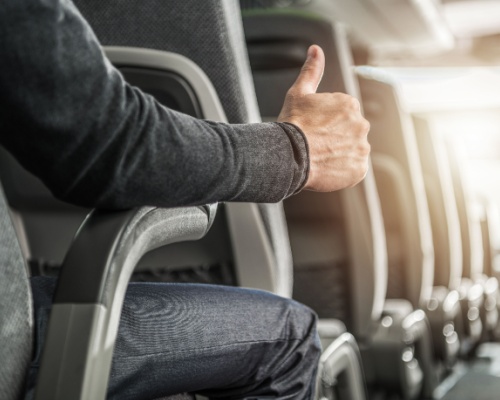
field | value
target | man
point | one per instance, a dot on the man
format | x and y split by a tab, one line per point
68	116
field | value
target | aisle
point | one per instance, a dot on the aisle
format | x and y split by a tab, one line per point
481	379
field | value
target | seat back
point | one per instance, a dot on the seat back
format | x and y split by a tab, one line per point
398	173
442	205
470	227
16	319
337	239
210	34
490	226
207	32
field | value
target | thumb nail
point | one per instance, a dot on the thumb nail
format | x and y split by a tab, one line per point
311	52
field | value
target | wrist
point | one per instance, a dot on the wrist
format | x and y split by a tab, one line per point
300	148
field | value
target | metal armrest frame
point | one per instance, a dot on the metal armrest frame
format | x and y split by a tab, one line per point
342	356
84	319
400	355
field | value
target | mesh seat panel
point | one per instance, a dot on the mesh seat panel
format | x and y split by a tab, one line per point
323	286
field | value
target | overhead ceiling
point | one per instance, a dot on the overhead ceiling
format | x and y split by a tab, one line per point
472	18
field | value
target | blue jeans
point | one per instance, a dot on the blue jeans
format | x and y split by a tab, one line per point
221	342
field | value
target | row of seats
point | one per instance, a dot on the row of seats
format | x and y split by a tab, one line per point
382	260
338	239
434	247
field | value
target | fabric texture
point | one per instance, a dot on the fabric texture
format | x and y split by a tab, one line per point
324	286
115	146
203	31
16	314
188	337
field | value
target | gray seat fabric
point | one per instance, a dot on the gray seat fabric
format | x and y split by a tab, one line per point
207	32
16	319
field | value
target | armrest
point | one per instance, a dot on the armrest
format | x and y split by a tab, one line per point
342	356
84	319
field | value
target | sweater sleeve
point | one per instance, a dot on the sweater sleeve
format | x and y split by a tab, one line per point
70	118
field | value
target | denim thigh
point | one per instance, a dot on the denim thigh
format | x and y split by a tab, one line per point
222	342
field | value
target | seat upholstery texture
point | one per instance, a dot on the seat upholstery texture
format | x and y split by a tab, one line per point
204	31
16	319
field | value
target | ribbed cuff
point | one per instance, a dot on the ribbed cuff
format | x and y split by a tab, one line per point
300	148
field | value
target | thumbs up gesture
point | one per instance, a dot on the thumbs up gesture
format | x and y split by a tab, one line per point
335	130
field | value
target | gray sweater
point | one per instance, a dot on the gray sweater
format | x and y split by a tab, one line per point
70	118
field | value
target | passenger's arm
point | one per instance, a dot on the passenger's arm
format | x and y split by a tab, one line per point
69	117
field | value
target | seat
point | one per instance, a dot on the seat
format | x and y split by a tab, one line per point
406	215
246	225
489	217
446	231
211	36
338	241
103	256
472	240
94	277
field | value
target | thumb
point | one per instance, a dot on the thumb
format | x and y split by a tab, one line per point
311	73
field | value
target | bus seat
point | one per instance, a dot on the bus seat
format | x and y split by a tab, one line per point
123	238
472	240
407	220
446	230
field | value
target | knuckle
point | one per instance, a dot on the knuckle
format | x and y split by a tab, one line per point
354	103
338	96
348	101
363	170
366	149
365	126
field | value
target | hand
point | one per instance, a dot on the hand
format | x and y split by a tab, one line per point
333	125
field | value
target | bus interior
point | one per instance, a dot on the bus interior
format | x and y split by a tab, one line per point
403	269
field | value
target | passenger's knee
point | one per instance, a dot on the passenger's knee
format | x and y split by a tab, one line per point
302	326
302	320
